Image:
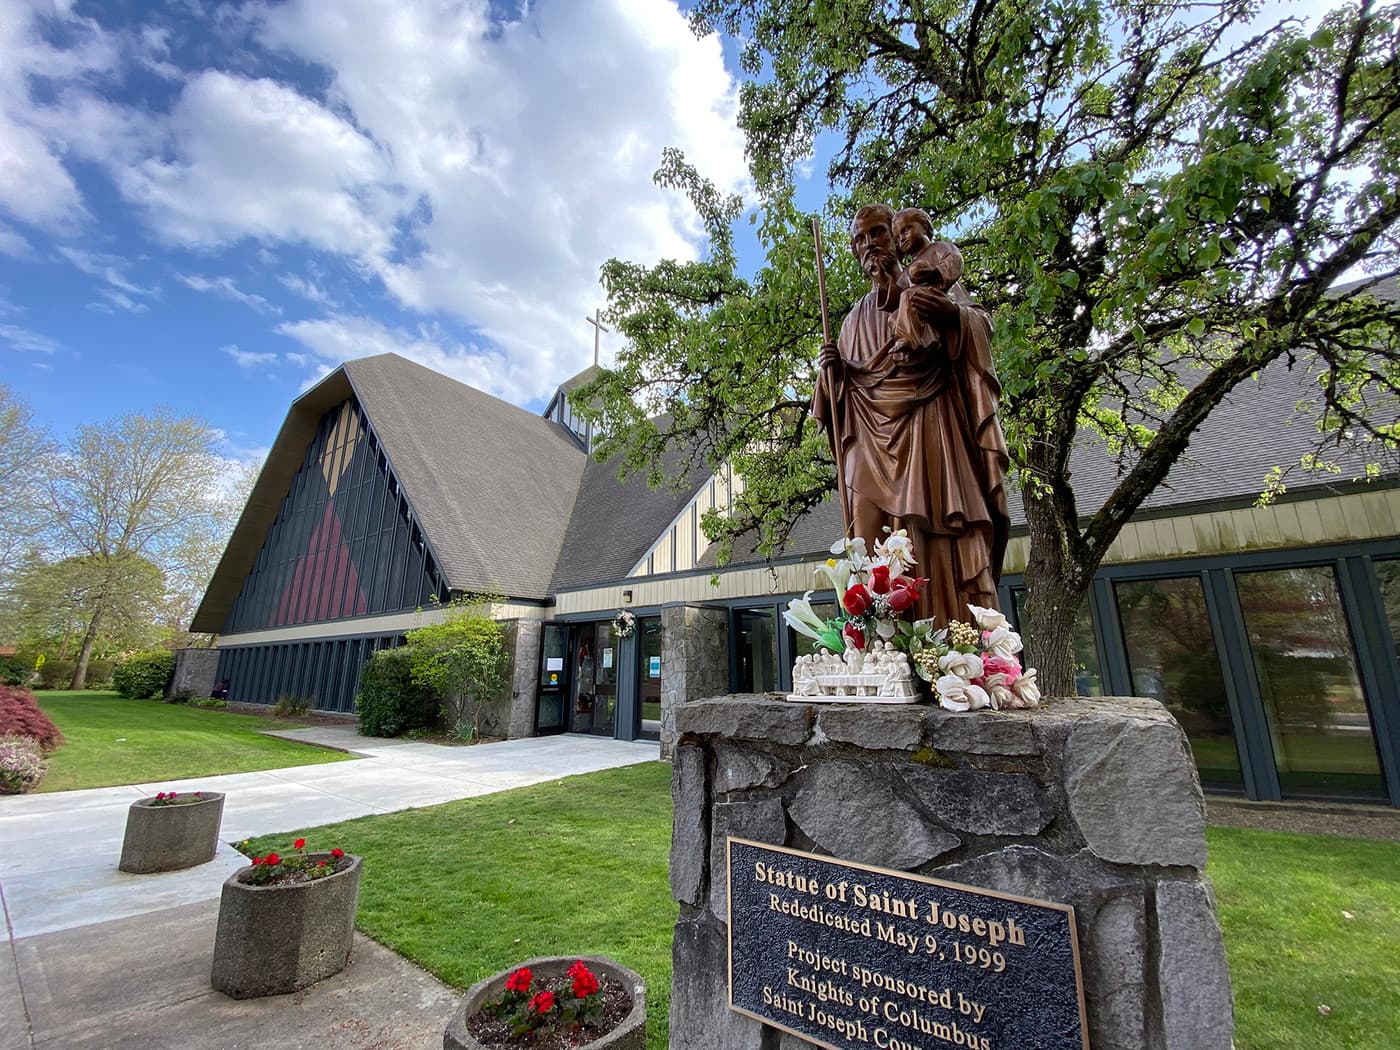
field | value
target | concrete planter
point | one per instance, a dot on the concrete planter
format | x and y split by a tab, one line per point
631	1034
277	939
168	838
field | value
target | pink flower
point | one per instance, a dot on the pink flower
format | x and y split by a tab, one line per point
1007	665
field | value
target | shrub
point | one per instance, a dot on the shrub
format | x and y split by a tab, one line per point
144	675
99	674
465	660
389	701
14	671
208	701
22	765
20	716
290	706
56	674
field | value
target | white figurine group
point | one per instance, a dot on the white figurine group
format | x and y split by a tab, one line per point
883	673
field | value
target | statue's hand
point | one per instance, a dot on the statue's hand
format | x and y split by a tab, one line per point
830	358
933	305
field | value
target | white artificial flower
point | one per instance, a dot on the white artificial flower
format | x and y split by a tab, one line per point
1026	688
802	619
851	547
897	548
885	629
999	689
838	572
958	694
988	619
965	665
1003	641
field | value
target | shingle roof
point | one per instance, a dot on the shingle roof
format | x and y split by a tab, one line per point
448	443
493	485
614	523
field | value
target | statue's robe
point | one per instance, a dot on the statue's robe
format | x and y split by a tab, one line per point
920	440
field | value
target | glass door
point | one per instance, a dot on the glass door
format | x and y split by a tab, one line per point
551	713
649	678
594	690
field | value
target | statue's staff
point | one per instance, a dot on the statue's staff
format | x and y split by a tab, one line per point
826	376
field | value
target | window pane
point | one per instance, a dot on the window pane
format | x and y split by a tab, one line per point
1388	572
756	649
1172	658
1088	678
649	630
1306	668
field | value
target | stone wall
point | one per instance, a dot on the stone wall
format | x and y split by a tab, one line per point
694	661
194	672
524	678
1093	803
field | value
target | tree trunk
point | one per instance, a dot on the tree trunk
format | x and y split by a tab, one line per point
1055	589
80	669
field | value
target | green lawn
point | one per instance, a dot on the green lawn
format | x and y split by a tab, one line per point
470	888
115	741
571	867
1291	948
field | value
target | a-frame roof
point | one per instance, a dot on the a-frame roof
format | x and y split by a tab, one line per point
491	485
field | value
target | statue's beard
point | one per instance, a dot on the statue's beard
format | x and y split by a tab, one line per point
880	264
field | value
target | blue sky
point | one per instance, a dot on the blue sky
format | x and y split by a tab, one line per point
209	205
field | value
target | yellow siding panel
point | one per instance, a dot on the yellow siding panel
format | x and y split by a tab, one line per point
1310	527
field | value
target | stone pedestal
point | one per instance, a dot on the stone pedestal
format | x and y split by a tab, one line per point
1094	803
194	673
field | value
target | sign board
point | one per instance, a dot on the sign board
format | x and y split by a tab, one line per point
854	957
607	657
654	666
554	663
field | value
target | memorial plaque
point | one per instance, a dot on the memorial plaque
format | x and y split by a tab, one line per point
850	957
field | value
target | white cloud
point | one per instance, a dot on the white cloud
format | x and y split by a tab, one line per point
253	158
13	243
308	289
341	338
226	288
114	300
249	359
109	268
481	171
25	341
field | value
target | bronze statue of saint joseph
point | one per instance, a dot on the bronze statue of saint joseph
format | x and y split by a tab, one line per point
914	429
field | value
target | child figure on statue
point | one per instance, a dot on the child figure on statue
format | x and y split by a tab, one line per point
931	264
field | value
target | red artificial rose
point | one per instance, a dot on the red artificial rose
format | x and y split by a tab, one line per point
542	1003
880	579
857	600
337	853
299	844
272	858
854	635
904	592
520	980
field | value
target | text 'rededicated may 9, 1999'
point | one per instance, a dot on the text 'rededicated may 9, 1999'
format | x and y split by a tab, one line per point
854	957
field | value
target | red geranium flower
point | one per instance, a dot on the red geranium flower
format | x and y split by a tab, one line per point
520	980
857	600
299	844
585	984
542	1003
257	861
880	579
855	635
320	864
337	853
272	858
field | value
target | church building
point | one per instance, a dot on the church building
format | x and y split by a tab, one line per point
1269	632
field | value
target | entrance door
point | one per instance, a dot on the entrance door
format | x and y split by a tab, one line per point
594	690
649	678
551	709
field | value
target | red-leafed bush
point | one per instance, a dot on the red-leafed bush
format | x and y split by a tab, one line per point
20	716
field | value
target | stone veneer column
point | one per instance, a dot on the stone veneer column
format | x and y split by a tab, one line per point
1093	803
194	672
694	661
524	678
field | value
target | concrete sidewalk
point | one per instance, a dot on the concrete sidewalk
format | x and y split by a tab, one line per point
94	957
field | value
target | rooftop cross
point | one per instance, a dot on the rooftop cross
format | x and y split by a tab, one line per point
598	329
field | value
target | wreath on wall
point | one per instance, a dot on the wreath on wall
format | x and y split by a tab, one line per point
624	623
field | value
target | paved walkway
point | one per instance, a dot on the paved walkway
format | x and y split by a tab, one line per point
96	958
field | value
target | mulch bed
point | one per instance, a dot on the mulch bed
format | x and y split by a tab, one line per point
1307	818
495	1032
